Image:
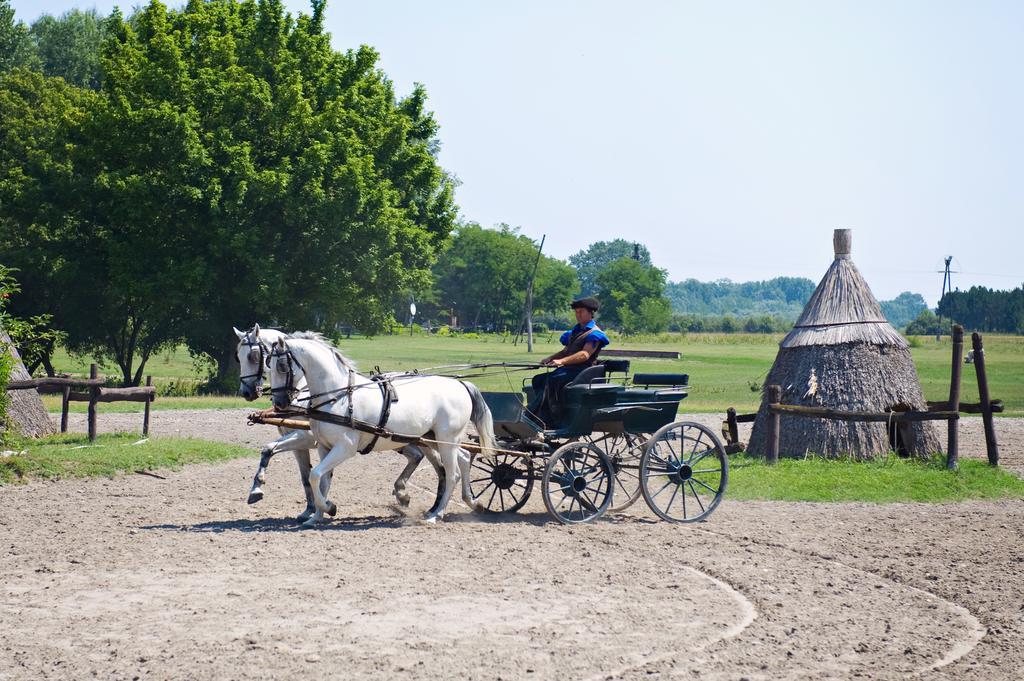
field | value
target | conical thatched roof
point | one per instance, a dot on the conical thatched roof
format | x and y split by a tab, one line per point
842	308
843	354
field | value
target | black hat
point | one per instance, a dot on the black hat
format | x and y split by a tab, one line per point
590	303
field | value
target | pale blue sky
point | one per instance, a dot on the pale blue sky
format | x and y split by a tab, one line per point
729	137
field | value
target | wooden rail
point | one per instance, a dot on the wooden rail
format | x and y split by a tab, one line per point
95	393
948	410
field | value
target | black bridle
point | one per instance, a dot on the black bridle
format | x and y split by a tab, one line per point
257	384
288	388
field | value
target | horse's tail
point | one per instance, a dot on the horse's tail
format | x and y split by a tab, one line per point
481	417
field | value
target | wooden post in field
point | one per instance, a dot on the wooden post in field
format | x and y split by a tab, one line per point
145	418
986	404
953	436
734	429
774	397
65	400
94	393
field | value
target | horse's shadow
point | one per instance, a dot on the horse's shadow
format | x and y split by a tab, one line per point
352	523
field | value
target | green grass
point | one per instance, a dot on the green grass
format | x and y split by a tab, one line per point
884	481
72	456
722	367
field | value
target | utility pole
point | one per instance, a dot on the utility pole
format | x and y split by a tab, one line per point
947	285
529	297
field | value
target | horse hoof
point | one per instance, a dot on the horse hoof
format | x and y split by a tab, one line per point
304	516
255	496
332	509
403	500
309	524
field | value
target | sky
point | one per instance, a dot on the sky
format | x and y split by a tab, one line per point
729	137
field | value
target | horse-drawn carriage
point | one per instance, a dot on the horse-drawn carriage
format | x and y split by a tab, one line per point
611	440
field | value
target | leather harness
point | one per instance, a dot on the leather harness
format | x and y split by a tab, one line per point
378	430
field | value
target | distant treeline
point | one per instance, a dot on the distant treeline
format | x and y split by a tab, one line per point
771	305
984	309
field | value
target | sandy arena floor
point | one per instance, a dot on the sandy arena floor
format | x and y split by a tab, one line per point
174	576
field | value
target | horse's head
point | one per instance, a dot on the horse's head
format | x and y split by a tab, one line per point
251	354
285	374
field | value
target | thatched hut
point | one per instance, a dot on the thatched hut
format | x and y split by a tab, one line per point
25	409
843	354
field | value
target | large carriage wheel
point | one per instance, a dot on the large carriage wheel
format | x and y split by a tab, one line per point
578	483
501	483
624	451
683	472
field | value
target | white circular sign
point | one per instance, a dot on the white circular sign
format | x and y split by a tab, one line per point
412	309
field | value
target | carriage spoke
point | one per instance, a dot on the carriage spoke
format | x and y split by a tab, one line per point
707	470
695	443
662	489
697	497
702	484
673	498
491	500
484	490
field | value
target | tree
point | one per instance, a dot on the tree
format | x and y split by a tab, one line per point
39	191
904	308
590	262
232	168
484	272
69	46
926	324
16	47
632	296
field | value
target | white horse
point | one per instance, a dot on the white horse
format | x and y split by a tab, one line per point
253	354
432	407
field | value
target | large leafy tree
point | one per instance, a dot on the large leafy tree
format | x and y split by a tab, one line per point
235	168
484	273
592	260
632	296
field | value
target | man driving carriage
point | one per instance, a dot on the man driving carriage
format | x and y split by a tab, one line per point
583	343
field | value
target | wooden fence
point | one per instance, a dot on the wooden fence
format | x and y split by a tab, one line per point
89	390
948	411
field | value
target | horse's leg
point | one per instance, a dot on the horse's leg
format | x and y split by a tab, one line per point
291	440
449	455
465	471
413	455
338	454
302	457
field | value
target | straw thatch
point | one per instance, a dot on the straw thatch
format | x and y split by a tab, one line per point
843	354
26	411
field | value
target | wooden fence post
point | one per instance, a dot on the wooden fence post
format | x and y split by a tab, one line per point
774	397
734	429
65	401
145	418
94	393
953	435
986	404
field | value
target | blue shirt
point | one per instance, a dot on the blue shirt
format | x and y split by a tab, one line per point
596	336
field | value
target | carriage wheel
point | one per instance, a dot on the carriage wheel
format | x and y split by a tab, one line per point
683	472
578	483
624	451
501	483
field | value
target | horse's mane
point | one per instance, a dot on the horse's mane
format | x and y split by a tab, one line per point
318	337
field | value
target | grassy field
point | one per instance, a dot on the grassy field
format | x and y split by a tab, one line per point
883	481
71	456
726	370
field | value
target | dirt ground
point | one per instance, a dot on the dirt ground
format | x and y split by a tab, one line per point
172	575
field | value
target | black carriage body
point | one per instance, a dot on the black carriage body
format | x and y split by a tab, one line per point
608	439
597	406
